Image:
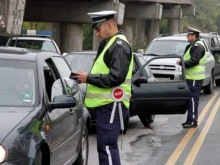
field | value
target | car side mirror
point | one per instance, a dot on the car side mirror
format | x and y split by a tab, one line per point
141	51
140	80
216	50
63	101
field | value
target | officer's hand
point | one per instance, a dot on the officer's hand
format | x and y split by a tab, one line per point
81	77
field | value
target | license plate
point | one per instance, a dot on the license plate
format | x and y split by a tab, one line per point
162	79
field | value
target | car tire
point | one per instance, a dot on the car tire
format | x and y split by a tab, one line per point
82	158
38	158
217	82
126	123
208	88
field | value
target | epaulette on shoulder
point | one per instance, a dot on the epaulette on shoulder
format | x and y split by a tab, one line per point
119	41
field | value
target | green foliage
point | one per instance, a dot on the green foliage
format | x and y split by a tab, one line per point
163	26
34	26
87	37
207	16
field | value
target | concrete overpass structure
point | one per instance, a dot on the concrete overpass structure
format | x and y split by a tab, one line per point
140	19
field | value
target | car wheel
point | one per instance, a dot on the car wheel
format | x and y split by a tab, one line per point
217	82
38	158
126	123
82	158
208	88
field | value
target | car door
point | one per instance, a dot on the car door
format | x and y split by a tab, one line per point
217	59
215	45
210	64
60	123
72	88
171	97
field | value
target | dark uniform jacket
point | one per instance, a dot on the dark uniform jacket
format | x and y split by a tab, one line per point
196	52
117	58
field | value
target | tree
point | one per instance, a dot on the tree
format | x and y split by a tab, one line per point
87	37
34	26
207	15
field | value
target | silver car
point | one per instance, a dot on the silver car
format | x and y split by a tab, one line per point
38	43
168	70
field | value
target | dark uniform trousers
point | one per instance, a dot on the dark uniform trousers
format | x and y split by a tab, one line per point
107	134
195	88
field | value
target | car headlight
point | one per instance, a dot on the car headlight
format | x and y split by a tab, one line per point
179	68
2	154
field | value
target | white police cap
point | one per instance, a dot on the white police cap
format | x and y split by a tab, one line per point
192	30
99	17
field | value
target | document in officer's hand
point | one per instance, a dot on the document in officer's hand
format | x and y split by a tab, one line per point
72	74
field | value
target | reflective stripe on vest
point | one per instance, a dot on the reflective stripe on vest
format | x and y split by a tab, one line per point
96	96
196	72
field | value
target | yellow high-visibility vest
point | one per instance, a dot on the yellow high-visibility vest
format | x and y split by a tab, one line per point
196	72
96	96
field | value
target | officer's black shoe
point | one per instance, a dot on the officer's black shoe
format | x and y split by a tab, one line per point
187	122
190	125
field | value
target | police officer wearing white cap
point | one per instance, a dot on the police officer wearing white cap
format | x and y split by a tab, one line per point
194	61
112	68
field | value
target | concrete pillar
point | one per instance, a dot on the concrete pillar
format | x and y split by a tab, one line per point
11	13
180	25
143	11
128	30
55	28
140	32
69	11
153	29
96	41
173	26
189	10
71	37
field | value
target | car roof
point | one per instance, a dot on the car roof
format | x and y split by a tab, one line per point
201	34
174	37
204	34
180	37
31	38
83	52
92	52
16	53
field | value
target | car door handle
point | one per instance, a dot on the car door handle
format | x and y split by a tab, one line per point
181	87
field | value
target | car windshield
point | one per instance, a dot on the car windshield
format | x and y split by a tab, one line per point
79	61
166	47
18	83
34	44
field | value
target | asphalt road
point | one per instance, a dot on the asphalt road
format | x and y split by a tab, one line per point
167	143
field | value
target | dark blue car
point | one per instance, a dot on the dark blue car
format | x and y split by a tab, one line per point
42	117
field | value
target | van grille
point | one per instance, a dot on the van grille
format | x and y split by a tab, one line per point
163	67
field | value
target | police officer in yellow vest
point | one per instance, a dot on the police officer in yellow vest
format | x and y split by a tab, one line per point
194	61
112	68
